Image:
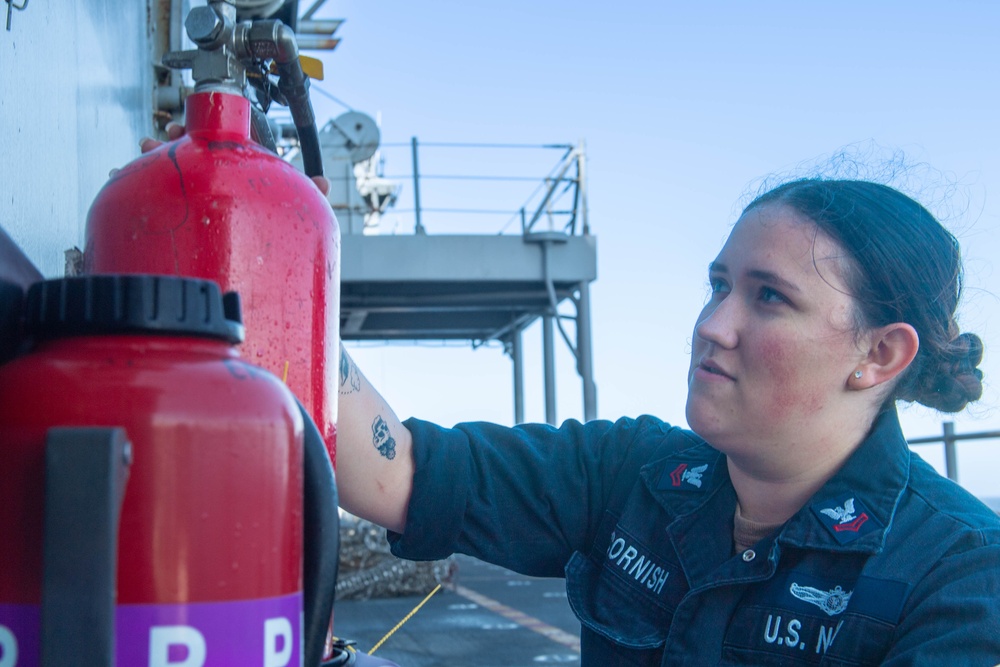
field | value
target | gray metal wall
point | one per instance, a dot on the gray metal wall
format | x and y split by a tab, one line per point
76	95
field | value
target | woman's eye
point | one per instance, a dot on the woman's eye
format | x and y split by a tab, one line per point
768	295
718	285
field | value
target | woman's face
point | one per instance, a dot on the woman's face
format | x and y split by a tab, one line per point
774	347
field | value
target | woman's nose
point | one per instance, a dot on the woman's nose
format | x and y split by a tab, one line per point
718	324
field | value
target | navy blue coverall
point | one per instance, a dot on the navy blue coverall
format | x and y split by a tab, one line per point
888	564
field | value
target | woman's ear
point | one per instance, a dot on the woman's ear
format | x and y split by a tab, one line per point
891	349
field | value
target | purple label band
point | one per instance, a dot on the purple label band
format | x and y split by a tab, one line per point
20	635
265	632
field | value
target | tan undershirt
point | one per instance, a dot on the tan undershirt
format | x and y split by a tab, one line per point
747	533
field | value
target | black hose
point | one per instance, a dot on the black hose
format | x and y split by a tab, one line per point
274	39
312	158
294	85
321	541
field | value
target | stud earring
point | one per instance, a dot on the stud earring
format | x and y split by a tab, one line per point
857	375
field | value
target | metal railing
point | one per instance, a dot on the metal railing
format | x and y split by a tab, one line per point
950	438
559	198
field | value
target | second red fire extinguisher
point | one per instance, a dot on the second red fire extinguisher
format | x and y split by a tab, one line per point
217	205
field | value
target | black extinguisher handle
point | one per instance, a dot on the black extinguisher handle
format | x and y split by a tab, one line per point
86	471
321	548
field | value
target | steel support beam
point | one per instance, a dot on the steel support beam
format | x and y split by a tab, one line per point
584	353
549	363
517	358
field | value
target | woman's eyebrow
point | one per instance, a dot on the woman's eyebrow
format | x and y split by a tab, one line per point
772	278
757	274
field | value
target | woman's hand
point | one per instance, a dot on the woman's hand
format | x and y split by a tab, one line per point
176	131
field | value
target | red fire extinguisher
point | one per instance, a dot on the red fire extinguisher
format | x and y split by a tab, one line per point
217	205
211	531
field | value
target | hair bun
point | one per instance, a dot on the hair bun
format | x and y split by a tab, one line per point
973	353
957	381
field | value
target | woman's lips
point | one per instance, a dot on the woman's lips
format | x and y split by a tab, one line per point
712	369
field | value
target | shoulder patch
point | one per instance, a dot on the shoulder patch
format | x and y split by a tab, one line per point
846	518
685	475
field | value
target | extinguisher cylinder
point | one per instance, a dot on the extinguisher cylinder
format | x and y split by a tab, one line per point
211	533
215	205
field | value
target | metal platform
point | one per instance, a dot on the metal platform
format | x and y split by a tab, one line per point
475	287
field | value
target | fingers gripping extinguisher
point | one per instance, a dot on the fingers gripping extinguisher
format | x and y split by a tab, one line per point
217	205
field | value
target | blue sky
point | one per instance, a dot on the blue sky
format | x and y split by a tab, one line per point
685	108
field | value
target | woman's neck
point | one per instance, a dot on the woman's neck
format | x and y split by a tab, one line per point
773	494
772	487
771	501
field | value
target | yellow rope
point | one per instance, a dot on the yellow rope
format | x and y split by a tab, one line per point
284	375
405	619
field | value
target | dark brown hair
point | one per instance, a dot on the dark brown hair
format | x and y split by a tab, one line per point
904	267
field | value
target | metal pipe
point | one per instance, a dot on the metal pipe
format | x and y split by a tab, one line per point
453	303
553	300
517	358
549	363
581	172
950	455
982	435
416	188
584	351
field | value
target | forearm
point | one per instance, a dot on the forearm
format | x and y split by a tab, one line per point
374	452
